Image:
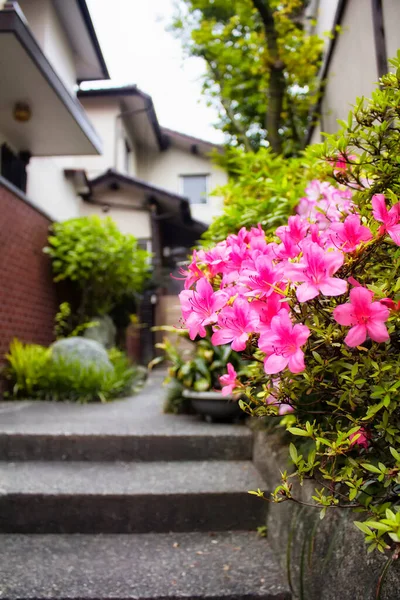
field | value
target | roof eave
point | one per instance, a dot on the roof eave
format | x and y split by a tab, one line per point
93	38
132	90
12	20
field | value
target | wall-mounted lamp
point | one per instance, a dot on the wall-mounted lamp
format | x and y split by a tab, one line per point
22	112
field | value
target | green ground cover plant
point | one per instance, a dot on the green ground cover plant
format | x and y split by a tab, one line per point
32	372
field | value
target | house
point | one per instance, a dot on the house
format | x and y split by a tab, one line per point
152	181
45	51
67	152
363	35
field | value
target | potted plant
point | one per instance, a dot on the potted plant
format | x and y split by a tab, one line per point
195	368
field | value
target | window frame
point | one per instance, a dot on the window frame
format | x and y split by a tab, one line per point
207	186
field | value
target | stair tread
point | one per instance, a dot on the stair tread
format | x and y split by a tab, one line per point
228	565
139	415
128	478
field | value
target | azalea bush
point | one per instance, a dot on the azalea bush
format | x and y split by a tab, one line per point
317	308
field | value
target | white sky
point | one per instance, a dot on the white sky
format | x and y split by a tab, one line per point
137	49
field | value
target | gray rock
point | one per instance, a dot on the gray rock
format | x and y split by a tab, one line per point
103	332
88	352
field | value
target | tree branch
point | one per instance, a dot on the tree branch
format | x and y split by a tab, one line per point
277	85
241	132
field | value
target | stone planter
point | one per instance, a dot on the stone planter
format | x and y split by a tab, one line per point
324	559
212	406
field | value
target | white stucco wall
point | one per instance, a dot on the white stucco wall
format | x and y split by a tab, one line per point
49	34
135	222
316	137
132	165
50	190
391	21
353	71
104	115
166	168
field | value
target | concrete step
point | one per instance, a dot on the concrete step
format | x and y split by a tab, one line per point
130	429
196	566
83	497
214	442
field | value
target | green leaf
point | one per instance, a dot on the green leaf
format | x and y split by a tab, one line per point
298	431
362	527
371	468
293	453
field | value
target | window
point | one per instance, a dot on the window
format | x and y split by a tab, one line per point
144	244
194	187
13	167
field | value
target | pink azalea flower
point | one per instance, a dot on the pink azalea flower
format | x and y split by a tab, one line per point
268	308
359	438
217	258
365	317
288	248
324	203
342	162
390	304
284	409
235	323
192	273
282	345
262	279
296	229
200	306
349	234
390	219
228	381
315	269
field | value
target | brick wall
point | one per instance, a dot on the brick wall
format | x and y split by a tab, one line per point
28	300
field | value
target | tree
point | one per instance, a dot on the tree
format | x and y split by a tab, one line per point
261	67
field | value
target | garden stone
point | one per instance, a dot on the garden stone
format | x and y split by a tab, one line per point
103	332
88	352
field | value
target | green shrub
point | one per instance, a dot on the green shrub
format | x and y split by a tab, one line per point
262	188
34	374
100	262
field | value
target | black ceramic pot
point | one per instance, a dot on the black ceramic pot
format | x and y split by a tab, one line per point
212	406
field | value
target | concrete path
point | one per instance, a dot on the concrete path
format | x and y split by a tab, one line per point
122	501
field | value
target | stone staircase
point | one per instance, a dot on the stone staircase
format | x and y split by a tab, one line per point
121	501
